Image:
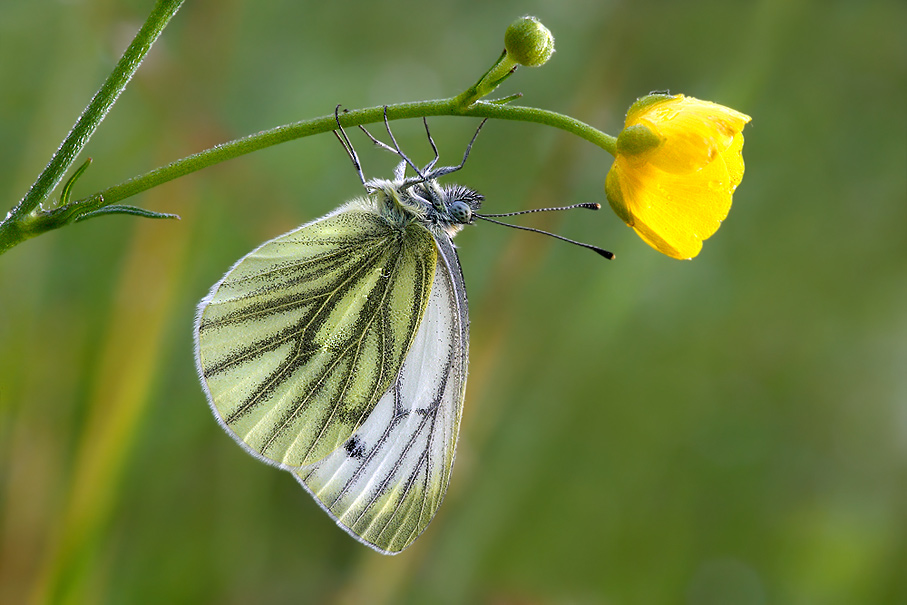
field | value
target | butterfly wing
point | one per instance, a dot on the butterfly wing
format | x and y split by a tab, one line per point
386	483
338	351
302	337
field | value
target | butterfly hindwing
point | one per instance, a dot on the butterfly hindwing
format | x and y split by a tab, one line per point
303	336
387	481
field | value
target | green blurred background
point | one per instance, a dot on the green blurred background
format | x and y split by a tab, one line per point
731	430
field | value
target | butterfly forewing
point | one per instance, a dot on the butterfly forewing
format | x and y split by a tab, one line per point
303	336
387	481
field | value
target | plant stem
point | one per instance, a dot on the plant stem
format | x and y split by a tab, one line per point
15	227
289	132
25	221
497	73
543	116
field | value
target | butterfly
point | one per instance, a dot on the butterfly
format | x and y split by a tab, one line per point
338	351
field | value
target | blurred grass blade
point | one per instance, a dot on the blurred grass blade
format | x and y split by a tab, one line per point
130	356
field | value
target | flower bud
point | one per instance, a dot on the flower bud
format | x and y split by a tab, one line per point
528	42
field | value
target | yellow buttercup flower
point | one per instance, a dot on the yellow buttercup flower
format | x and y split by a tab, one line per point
677	165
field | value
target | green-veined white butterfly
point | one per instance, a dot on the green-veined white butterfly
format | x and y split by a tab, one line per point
338	351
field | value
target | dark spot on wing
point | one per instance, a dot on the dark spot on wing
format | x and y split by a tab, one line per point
354	448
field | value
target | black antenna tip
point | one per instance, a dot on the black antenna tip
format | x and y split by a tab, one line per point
596	249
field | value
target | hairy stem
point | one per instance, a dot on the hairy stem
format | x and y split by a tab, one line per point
27	219
16	227
289	132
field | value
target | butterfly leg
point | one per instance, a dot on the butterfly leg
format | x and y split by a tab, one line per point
434	147
347	144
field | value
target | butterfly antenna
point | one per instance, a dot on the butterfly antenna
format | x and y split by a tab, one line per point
590	206
347	144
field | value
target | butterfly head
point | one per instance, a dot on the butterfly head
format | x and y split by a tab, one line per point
445	208
448	207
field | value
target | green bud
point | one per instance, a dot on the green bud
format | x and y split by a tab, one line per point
528	42
636	139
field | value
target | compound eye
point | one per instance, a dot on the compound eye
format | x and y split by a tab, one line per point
460	212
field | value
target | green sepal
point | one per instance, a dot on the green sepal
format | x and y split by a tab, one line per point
643	103
124	209
505	100
637	139
67	188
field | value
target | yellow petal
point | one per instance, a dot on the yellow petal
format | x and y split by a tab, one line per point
733	158
674	213
690	250
694	132
674	186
